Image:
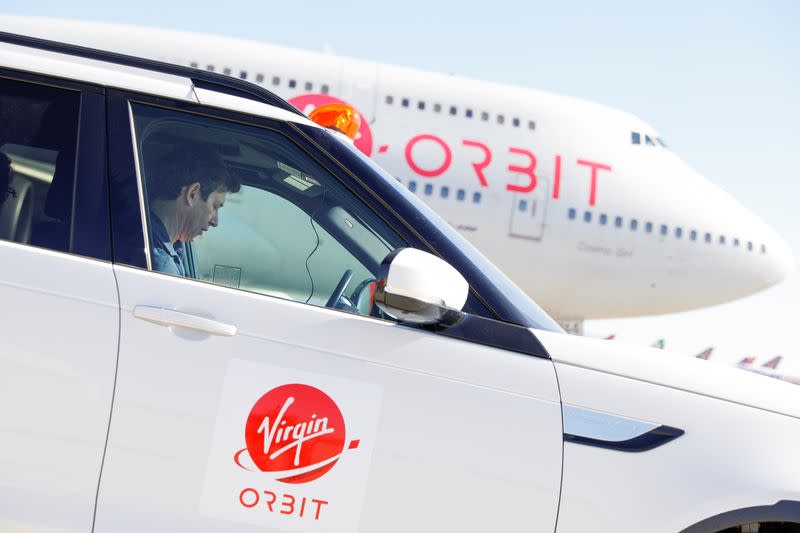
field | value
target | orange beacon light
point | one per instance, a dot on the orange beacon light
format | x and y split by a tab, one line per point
339	117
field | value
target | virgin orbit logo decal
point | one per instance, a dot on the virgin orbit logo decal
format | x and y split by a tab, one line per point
309	102
292	450
294	432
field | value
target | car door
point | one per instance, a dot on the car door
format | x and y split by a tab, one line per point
60	321
262	390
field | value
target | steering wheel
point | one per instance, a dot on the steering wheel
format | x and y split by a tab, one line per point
340	287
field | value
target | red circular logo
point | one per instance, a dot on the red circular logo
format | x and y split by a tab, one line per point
295	431
309	102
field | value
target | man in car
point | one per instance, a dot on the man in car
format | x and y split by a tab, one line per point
186	189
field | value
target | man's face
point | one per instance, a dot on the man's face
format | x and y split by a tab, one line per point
202	215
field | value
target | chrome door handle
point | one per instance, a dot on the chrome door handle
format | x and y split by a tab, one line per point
169	317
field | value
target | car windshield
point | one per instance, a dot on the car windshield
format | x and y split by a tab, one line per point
528	311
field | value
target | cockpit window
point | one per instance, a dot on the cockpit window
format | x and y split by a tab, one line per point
649	140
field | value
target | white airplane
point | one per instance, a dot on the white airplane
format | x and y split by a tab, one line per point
769	369
582	205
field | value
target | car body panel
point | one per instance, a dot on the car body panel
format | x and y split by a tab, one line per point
669	370
729	457
58	352
444	444
99	72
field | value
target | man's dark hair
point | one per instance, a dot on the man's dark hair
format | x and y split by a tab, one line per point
184	165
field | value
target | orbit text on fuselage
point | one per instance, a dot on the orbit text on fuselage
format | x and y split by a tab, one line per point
482	161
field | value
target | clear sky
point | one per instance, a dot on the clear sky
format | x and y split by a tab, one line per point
720	80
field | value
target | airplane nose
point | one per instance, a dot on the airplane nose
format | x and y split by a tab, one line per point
743	253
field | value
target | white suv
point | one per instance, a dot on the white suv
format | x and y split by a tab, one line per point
221	316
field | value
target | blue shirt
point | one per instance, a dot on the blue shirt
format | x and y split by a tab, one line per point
167	256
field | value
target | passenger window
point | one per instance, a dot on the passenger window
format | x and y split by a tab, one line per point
587	216
515	122
308	86
664	229
437	108
634	224
38	139
618	222
421	105
693	235
389	99
476	198
484	116
428	189
325	89
571	213
412	186
445	192
635	138
453	110
226	71
404	102
243	74
461	194
603	219
246	208
259	78
531	125
678	233
648	227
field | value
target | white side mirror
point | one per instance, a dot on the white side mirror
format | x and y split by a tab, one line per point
415	286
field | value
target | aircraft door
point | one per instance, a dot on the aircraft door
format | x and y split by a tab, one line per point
528	209
358	82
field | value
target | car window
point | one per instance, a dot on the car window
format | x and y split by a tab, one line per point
483	276
38	138
265	217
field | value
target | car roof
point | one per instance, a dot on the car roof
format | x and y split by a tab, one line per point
142	75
